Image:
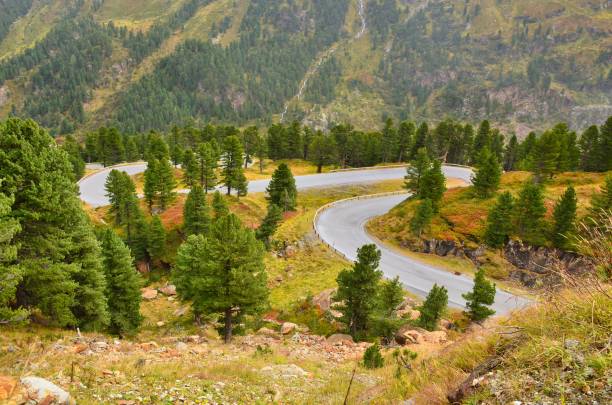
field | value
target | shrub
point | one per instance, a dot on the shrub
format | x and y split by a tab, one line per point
372	357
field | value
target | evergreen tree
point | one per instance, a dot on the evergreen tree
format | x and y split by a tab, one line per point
405	135
390	296
389	142
10	272
590	149
207	166
175	146
433	308
488	174
122	285
250	140
57	251
232	171
545	156
564	216
156	243
261	152
269	224
139	243
322	150
433	185
73	149
422	217
295	145
480	298
420	140
415	172
499	222
151	181
569	154
482	140
602	201
110	146
125	207
529	213
282	191
91	147
511	154
357	289
156	148
497	144
219	205
165	184
196	215
190	169
223	273
605	146
372	358
131	149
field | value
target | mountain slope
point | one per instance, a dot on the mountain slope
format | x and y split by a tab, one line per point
521	63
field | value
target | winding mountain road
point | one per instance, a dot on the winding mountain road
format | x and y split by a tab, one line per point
343	226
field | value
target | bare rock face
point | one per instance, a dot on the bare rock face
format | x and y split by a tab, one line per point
169	290
438	336
409	335
324	299
148	293
42	391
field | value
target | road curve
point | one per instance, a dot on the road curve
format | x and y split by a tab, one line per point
343	226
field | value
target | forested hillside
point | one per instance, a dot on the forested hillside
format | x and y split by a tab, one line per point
139	65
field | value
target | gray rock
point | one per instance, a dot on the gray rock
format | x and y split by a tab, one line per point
340	338
571	344
41	390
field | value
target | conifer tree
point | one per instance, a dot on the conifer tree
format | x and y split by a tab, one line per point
390	296
545	155
165	184
389	141
433	308
405	135
232	170
590	149
122	285
529	213
564	216
569	154
605	146
207	166
269	224
10	272
420	140
414	173
487	175
131	149
480	298
422	217
156	148
322	150
261	152
223	273
196	215
156	243
190	169
73	149
139	243
125	207
602	201
511	154
482	140
219	204
175	147
250	140
499	222
151	181
433	185
357	289
282	191
58	253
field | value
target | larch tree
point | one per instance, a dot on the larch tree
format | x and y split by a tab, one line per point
122	285
231	162
433	308
358	288
499	222
282	191
564	219
479	300
196	214
223	273
487	174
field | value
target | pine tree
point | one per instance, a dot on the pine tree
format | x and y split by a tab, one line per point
282	191
207	166
165	184
131	149
499	222
269	224
190	169
405	135
372	358
569	154
58	253
357	289
175	147
414	173
223	273
589	149
545	155
422	217
390	296
389	142
156	242
482	140
487	175
605	146
564	216
122	285
72	147
219	205
295	145
10	273
156	148
250	140
529	213
511	154
480	298
420	140
433	308
196	215
151	181
261	152
322	150
602	201
232	171
433	185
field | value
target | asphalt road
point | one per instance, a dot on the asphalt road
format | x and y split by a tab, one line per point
342	226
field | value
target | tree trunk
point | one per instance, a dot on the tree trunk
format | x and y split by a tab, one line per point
229	190
228	325
319	168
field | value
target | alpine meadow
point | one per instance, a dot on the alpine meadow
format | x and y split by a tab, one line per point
305	202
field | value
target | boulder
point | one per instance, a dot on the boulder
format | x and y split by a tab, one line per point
268	332
180	311
340	339
148	293
8	387
169	290
98	346
181	347
42	391
284	371
409	335
436	337
323	300
287	328
161	324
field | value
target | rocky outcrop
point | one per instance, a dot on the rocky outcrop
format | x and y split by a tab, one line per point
32	390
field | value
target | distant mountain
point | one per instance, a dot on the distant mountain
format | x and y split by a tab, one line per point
148	64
